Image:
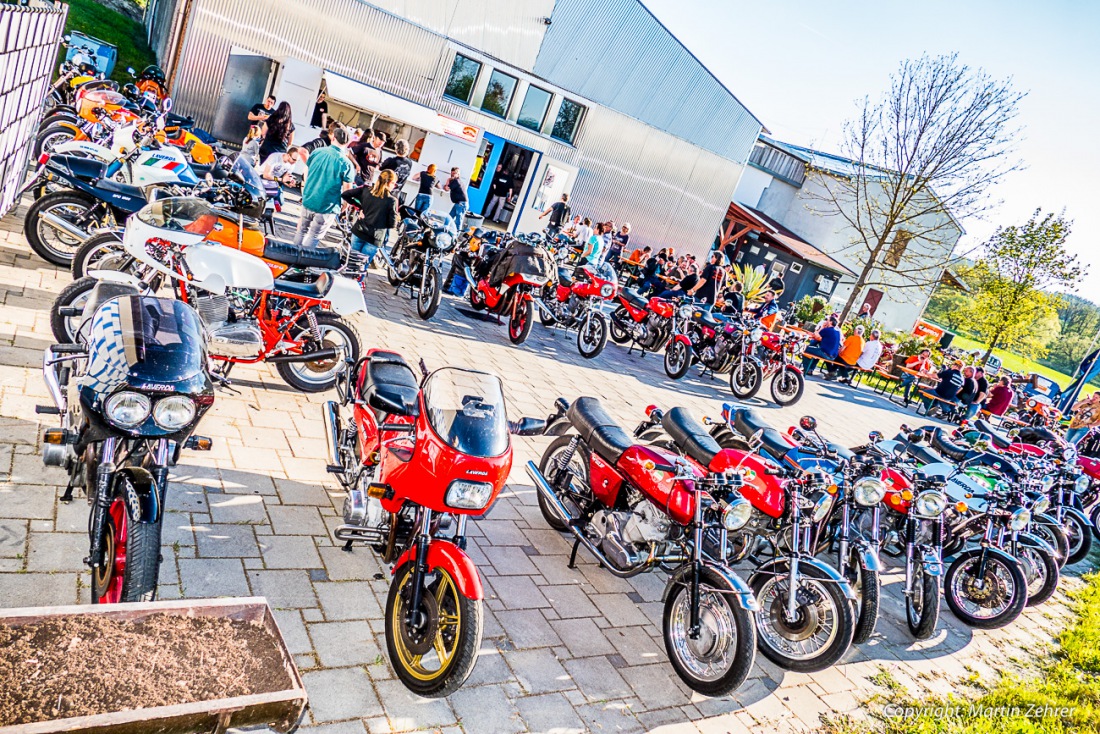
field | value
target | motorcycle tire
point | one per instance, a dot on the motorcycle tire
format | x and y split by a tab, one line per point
720	616
135	546
746	377
56	116
63	327
33	224
592	335
53	136
288	371
1094	518
787	386
867	585
579	466
545	317
845	621
519	324
467	615
1011	576
618	334
677	359
92	250
1040	567
1048	528
477	298
430	294
1079	537
922	606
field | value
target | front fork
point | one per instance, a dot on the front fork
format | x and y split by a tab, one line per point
105	473
696	566
414	617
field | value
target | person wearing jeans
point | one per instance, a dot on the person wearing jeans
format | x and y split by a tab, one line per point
379	209
330	172
426	179
459	202
827	346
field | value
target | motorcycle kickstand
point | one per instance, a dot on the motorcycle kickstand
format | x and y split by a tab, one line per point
346	547
573	555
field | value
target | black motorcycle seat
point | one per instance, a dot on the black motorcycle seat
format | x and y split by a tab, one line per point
1037	434
747	422
565	276
389	385
174	120
690	435
943	444
116	187
706	318
325	258
634	298
201	170
920	452
597	429
316	289
997	438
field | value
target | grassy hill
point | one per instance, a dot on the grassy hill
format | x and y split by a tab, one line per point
128	35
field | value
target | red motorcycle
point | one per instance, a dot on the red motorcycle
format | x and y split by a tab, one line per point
646	323
573	303
417	459
506	282
637	508
780	355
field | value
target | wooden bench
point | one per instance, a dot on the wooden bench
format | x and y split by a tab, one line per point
885	379
951	407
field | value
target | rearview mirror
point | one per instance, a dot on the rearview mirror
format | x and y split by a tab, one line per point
807	423
527	427
874	436
916	436
131	71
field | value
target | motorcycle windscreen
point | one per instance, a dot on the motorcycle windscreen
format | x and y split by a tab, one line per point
466	410
180	214
141	340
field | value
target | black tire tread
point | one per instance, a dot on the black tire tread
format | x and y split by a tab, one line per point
335	321
30	223
58	323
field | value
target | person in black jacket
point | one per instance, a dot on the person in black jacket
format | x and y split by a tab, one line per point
379	209
400	164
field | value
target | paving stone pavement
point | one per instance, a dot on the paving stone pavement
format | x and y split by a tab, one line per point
565	650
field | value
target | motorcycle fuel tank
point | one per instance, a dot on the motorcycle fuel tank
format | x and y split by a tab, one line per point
763	491
642	467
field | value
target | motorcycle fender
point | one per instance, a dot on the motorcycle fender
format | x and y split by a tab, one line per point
558	427
345	296
1081	516
142	503
778	567
868	559
735	585
447	555
682	338
1034	541
792	368
933	566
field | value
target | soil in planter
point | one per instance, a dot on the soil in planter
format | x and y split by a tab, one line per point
81	666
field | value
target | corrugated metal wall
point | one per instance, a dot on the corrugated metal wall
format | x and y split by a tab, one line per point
159	17
622	57
671	191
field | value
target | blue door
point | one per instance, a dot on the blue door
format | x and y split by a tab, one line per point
488	157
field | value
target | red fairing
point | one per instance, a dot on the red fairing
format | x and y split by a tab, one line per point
443	553
519	278
561	292
896	483
658	485
492	295
605	480
592	287
1090	466
763	491
663	309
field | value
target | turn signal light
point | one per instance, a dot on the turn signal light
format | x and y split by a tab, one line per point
649	465
55	436
43	159
199	443
961	507
907	494
649	410
831	489
378	491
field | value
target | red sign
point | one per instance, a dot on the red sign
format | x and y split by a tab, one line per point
459	129
923	328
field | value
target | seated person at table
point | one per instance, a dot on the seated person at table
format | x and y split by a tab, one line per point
951	381
968	393
768	311
687	285
732	301
849	353
651	272
872	352
1000	397
826	346
918	363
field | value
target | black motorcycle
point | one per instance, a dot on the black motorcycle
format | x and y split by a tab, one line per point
707	338
415	259
130	393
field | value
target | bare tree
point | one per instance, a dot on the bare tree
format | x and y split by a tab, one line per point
922	158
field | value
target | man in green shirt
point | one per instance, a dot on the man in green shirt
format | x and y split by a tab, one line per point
330	172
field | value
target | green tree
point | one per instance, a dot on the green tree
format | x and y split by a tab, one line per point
1014	280
1078	316
1066	352
951	308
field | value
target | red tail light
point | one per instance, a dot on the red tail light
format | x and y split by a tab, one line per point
42	159
649	410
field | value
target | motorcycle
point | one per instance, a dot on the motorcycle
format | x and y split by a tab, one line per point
807	630
506	281
130	395
416	257
646	323
417	459
703	337
636	508
250	316
781	363
573	303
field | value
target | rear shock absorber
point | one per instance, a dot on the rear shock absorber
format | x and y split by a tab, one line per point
567	456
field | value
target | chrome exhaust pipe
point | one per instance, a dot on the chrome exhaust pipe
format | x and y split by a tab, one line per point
305	357
330	413
562	514
57	223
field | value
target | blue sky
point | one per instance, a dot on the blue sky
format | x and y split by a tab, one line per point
800	66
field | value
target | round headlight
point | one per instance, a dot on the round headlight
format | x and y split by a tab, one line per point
822	504
1041	505
686	311
930	503
1048	483
127	409
757	334
1082	484
174	412
869	491
1019	520
444	240
607	290
736	514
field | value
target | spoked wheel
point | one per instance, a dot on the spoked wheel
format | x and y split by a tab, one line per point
396	277
987	599
677	359
571	483
1040	567
57	224
618	334
321	374
821	630
131	557
430	293
432	649
1079	536
866	584
102	251
519	325
592	335
922	605
718	659
1094	518
53	136
1048	528
745	379
787	386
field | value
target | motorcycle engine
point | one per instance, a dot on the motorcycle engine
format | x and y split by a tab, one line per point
228	337
625	537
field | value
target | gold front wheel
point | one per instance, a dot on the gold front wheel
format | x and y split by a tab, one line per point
433	648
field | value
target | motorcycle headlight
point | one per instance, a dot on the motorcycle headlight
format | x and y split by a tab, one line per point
869	491
607	290
757	334
1041	505
127	409
823	503
1019	519
444	240
1048	483
686	311
736	514
930	503
466	495
174	412
1082	484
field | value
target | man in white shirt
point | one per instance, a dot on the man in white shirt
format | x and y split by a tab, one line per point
872	351
278	166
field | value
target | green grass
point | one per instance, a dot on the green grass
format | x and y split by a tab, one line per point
98	21
1061	696
1018	364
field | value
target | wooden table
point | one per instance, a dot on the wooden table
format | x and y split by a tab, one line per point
797	330
920	376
